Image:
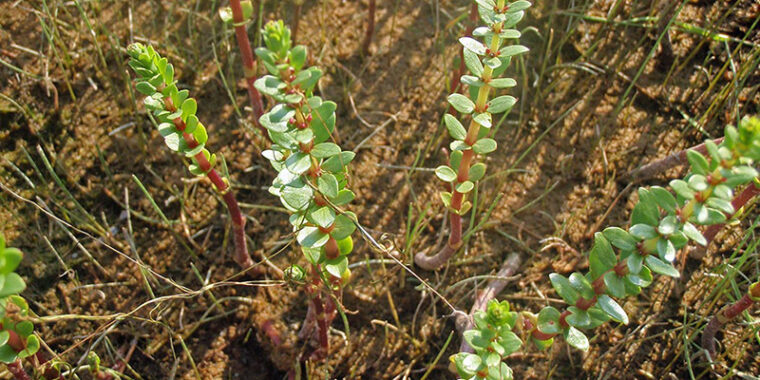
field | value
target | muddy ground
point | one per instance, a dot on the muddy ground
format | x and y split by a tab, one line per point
607	86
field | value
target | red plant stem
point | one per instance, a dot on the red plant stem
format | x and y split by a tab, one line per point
319	310
494	287
271	332
17	370
238	220
455	238
738	202
249	64
370	28
666	163
724	316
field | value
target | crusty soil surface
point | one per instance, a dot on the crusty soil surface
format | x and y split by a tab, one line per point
606	88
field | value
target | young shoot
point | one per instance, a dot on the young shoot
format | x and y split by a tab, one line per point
487	57
312	171
182	130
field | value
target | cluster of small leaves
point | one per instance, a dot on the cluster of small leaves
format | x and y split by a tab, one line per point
15	328
661	223
169	105
312	170
486	58
493	340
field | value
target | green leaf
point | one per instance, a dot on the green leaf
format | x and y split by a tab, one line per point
32	346
328	185
445	198
519	6
645	210
277	118
471	80
343	227
461	103
576	338
337	267
634	263
312	237
465	187
620	238
682	189
472	61
564	288
477	172
344	196
548	320
189	107
172	141
721	205
298	57
324	150
484	119
698	162
456	130
478	339
298	163
693	233
698	182
601	257
471	363
145	88
512	50
661	267
297	197
4	336
484	146
200	134
643	231
614	284
7	354
12	258
668	225
473	45
582	285
336	163
664	199
323	121
666	250
502	83
578	318
612	308
501	104
445	173
169	74
191	124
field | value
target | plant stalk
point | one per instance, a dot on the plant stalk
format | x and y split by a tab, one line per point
370	28
727	314
238	220
249	64
678	158
17	370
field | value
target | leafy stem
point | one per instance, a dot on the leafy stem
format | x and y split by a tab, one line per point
486	59
183	132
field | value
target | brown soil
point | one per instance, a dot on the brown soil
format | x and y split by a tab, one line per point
587	115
